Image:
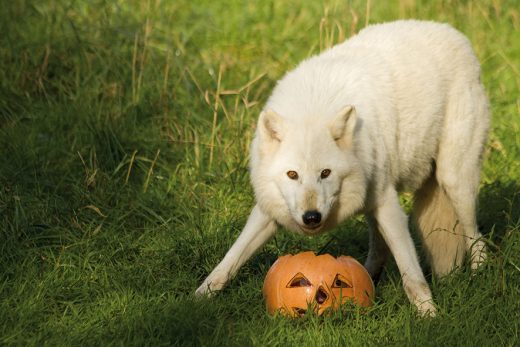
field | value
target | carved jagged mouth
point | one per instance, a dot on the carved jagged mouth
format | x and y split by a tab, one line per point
299	311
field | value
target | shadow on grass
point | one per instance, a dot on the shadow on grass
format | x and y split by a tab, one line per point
186	321
498	212
499	209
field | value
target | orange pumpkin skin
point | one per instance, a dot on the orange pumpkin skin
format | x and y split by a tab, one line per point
296	282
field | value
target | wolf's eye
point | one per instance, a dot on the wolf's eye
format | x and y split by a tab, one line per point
325	173
292	175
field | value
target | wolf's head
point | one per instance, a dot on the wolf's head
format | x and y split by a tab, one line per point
300	169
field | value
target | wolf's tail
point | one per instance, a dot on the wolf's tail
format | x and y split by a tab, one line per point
438	227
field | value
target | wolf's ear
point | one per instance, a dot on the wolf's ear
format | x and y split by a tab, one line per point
343	125
271	125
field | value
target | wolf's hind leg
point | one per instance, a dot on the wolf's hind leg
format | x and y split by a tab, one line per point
439	228
378	251
460	159
392	223
258	230
461	189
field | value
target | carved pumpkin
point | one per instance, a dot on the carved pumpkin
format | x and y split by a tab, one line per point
298	282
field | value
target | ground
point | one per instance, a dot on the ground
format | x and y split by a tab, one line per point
124	132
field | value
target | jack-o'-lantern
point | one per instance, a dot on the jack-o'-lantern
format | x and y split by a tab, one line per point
298	282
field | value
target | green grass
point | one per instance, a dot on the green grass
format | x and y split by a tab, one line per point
124	129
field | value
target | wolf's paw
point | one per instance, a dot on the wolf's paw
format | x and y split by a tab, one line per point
210	286
426	309
203	291
478	255
207	289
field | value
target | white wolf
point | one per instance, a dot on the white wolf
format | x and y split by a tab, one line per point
398	107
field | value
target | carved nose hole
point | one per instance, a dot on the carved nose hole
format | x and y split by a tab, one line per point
321	296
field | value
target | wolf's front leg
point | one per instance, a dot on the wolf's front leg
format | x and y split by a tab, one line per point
392	223
378	251
258	230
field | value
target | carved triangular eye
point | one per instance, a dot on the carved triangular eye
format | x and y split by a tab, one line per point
299	280
341	282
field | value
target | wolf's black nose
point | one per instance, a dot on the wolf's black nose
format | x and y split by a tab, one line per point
311	218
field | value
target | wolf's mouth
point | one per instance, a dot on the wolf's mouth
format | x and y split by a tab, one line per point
311	229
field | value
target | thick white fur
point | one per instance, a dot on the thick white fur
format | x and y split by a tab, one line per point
398	107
